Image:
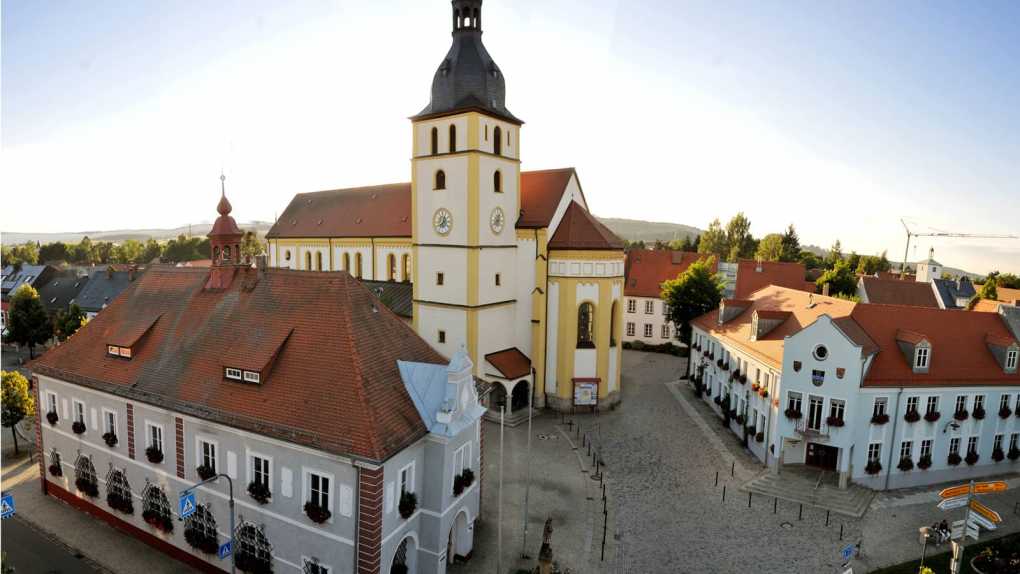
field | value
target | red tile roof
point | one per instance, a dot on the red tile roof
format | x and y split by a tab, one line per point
332	383
782	274
385	210
511	363
579	229
647	270
897	292
959	353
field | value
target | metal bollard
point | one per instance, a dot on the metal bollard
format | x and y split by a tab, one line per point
749	499
826	517
724	493
717	478
800	514
841	532
733	467
775	505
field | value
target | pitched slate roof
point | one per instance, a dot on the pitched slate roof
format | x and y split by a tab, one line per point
752	276
647	270
896	292
62	288
103	288
333	383
579	229
385	210
398	296
950	290
34	275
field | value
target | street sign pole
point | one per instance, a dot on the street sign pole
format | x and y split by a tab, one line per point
955	566
230	487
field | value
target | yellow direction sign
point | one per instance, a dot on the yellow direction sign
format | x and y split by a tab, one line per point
985	511
954	491
987	487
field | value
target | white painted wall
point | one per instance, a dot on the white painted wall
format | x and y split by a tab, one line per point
639	318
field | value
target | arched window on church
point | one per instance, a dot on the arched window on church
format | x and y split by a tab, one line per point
407	267
308	260
440	180
357	265
318	261
391	267
435	141
497	181
347	262
586	326
497	141
453	138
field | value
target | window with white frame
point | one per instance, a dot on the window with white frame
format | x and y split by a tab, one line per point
79	411
51	402
462	458
878	409
906	449
665	309
1011	359
961	403
912	404
954	445
921	356
794	401
207	454
836	408
407	479
665	331
109	421
979	402
997	444
630	329
1003	402
313	566
874	452
631	305
1013	440
926	448
933	405
251	377
260	470
232	373
972	445
319	491
648	329
649	307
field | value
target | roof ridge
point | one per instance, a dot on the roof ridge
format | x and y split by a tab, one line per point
356	366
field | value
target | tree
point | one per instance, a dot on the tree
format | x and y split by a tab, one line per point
128	252
840	280
56	251
152	251
28	324
67	324
250	246
770	248
21	254
739	241
1009	281
810	260
633	245
853	261
988	290
84	252
693	293
791	245
18	402
835	255
713	241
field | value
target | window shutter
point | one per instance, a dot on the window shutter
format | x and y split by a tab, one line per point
95	419
388	498
286	482
232	464
67	410
346	500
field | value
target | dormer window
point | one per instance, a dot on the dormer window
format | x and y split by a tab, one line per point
231	373
117	351
251	377
1011	359
921	358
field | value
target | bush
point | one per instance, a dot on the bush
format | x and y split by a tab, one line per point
259	491
905	464
637	345
912	416
924	462
627	345
953	459
53	418
154	455
110	439
205	472
971	458
880	419
317	513
408	504
873	467
78	427
88	487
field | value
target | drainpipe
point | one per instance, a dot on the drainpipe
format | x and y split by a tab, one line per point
373	257
357	514
545	325
892	440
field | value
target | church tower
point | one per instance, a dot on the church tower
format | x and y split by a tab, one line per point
465	181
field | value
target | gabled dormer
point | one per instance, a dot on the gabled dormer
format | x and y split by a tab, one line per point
251	360
763	321
1005	350
916	349
126	341
730	308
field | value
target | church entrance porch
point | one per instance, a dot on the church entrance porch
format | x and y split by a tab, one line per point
515	395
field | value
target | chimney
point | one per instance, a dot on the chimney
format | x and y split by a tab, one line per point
131	272
825	290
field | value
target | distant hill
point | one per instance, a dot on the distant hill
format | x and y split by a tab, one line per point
648	231
117	236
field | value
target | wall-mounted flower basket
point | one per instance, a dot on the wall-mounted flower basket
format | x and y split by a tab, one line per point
154	455
743	378
880	419
763	393
834	422
793	414
259	491
719	363
121	503
408	504
979	413
971	458
755	387
248	562
924	463
873	467
1004	412
953	459
998	455
469	477
88	487
717	400
751	430
110	439
205	472
760	437
55	470
905	464
961	415
158	521
932	416
78	427
912	416
741	419
458	485
316	513
52	417
201	541
1013	454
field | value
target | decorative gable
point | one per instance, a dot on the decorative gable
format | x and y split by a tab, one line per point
916	349
764	321
1005	350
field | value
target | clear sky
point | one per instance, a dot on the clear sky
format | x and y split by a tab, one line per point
840	117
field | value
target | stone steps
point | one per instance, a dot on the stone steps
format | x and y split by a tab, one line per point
803	488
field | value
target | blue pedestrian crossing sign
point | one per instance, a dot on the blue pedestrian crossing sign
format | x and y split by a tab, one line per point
226	549
186	504
847	552
7	506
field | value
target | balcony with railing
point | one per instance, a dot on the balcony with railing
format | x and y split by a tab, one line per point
812	431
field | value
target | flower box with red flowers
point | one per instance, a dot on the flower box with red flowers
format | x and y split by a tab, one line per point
912	416
205	472
52	417
408	504
979	413
880	418
961	415
971	458
78	427
998	455
110	439
792	413
932	416
905	464
873	467
834	421
1004	412
317	513
924	462
760	437
953	459
259	491
154	455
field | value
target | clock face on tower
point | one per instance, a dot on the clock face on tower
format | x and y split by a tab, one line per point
442	221
496	220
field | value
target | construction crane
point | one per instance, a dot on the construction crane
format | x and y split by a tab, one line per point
906	252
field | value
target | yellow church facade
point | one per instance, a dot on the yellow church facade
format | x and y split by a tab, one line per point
509	265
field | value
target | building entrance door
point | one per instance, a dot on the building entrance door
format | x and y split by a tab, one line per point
822	456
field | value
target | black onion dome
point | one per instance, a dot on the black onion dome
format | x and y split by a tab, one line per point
468	78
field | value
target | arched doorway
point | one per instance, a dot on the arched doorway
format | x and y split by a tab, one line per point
497	397
461	539
405	558
520	396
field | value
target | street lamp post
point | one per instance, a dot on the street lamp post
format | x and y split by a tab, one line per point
230	487
527	482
